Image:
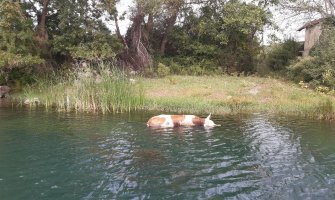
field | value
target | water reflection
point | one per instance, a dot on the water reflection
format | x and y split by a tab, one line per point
285	163
181	129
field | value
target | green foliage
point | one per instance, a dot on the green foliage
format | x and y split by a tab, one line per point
221	33
213	37
3	77
241	23
305	69
176	68
319	69
196	70
325	109
12	60
17	48
281	55
102	88
184	65
313	71
247	18
325	48
82	34
162	70
20	75
96	50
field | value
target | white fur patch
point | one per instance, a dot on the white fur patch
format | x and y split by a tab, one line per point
188	120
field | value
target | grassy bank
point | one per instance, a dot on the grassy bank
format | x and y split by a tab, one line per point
103	90
228	94
183	94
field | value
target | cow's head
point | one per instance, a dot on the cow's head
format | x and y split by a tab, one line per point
209	122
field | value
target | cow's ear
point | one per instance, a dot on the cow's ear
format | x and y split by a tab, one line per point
209	117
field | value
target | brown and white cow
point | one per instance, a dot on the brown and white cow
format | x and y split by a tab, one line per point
180	120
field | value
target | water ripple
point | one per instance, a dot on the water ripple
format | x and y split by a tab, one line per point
55	156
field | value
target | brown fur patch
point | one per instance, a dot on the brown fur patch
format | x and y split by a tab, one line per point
156	121
197	121
177	119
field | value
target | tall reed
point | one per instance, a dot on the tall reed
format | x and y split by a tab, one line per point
102	88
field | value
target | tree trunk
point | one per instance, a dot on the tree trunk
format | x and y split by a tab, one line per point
163	44
118	33
42	38
42	33
169	26
136	56
150	24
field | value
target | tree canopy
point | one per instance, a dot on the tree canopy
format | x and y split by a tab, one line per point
17	47
204	34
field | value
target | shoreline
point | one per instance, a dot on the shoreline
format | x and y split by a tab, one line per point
189	95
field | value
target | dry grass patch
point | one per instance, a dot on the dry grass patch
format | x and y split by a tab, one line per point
233	94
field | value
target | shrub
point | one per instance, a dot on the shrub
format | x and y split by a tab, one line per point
304	69
176	68
312	71
281	55
3	77
325	48
318	70
162	70
196	70
149	72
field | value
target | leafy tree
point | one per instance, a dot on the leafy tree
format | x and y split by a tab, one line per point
81	32
223	31
241	23
281	55
199	34
17	46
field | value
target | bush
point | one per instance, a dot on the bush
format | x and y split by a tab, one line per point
311	70
176	68
318	70
196	70
182	65
162	70
281	55
304	69
325	48
3	77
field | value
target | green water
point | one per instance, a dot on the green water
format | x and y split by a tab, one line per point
50	155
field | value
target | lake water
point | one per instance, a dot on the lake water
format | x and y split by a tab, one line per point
50	155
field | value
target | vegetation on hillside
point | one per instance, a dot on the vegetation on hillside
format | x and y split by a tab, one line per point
187	36
44	36
318	70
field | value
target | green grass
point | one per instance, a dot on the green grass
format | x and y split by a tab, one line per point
229	94
108	91
183	94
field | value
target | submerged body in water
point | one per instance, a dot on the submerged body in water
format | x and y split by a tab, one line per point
180	120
